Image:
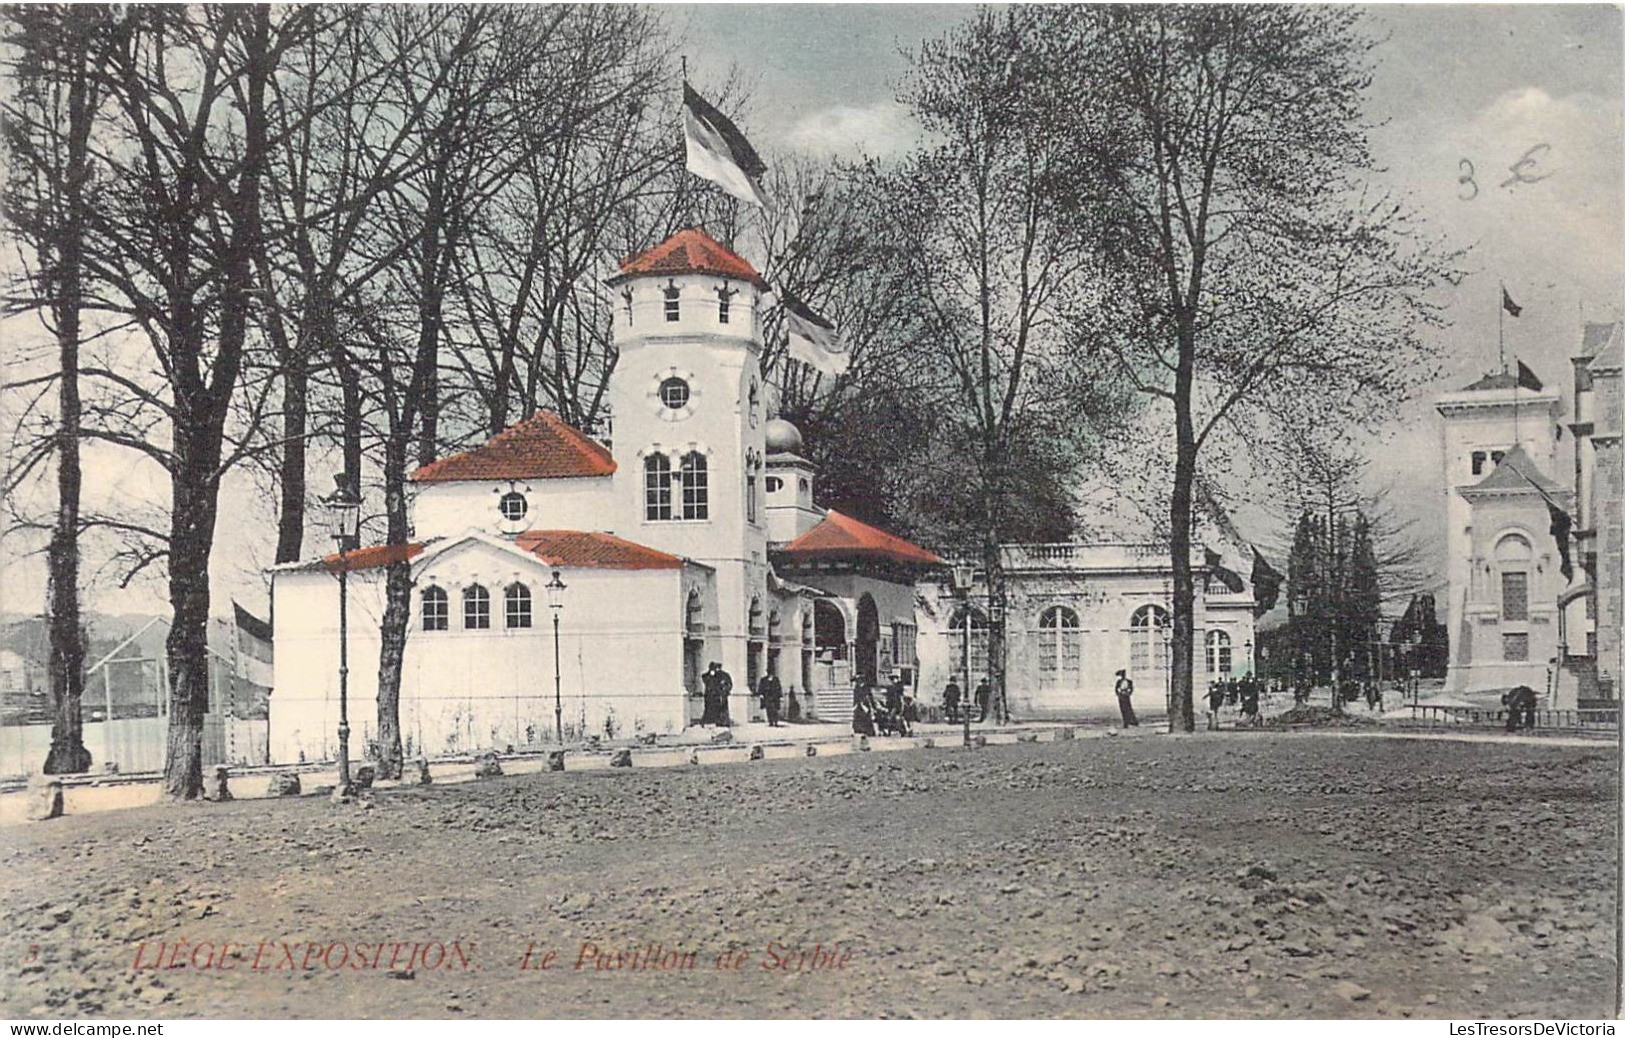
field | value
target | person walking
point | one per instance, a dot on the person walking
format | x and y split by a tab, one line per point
894	694
718	685
772	694
1249	703
1125	699
984	699
1215	700
950	701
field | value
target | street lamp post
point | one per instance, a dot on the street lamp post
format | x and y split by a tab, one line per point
555	602
344	509
963	576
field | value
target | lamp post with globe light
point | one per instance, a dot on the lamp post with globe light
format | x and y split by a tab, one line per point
963	576
555	602
344	513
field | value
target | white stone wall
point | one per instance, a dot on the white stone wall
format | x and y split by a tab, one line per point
621	642
1103	585
449	509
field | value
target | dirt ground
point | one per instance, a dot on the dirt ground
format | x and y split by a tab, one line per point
1229	875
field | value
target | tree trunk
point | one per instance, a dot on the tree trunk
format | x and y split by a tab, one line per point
397	611
295	422
68	754
350	418
1181	713
187	647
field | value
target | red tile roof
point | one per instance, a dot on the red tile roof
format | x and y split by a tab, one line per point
542	446
578	548
690	251
841	536
375	557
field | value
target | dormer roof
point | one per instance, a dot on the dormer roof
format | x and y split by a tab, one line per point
689	251
542	446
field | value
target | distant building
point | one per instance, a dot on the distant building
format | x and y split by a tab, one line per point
1530	528
1076	613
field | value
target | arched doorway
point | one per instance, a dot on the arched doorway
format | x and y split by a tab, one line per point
866	646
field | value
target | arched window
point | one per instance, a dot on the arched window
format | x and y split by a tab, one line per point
1148	640
1060	648
1218	653
434	609
978	642
671	292
696	492
476	608
753	619
1512	558
657	487
773	626
725	296
516	605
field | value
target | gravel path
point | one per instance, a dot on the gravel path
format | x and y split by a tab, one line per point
1237	875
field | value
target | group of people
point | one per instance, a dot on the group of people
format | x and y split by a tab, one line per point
896	715
719	684
952	698
1243	692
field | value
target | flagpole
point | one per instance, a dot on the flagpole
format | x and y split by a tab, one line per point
1501	328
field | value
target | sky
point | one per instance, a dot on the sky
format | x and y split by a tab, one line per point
1484	84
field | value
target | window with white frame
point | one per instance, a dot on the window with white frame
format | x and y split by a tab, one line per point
476	608
978	641
1148	640
435	609
696	493
656	487
1219	654
1060	648
516	605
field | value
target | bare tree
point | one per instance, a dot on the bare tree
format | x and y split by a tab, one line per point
991	227
48	125
171	244
1257	281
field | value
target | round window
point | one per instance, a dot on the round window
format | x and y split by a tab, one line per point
513	506
674	393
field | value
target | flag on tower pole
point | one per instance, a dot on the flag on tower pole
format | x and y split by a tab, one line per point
1508	305
813	339
1527	377
718	152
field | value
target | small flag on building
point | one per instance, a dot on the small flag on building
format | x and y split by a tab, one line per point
1528	379
718	152
1508	305
813	339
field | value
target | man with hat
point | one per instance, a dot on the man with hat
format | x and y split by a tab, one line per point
718	683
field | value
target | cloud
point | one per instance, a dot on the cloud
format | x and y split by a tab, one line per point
882	129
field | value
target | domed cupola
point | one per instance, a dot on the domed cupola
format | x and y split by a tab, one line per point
782	437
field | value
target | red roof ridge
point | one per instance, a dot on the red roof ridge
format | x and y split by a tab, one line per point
840	534
371	557
588	549
689	251
543	446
